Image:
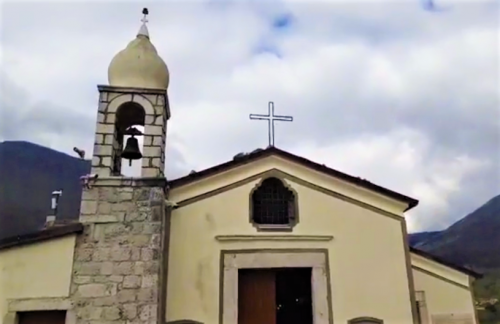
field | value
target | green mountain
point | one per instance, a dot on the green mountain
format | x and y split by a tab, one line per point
473	241
29	173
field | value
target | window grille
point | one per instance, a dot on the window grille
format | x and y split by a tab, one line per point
365	320
273	203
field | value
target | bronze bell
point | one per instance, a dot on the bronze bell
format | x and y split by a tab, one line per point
131	150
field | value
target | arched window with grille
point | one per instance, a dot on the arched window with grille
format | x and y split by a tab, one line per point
365	320
273	205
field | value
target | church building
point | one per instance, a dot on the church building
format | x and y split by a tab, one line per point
268	237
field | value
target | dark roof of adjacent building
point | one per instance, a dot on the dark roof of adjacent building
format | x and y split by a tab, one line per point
263	153
448	264
41	235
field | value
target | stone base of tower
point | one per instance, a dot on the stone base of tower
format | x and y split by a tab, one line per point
121	258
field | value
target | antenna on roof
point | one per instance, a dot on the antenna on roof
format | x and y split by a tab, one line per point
55	200
54	203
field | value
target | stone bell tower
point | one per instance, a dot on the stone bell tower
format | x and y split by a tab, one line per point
136	95
120	261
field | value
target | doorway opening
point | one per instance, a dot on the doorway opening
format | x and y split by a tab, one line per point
42	317
275	296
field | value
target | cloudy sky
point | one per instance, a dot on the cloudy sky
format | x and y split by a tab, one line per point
404	97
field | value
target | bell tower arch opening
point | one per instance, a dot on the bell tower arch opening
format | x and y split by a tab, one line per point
131	125
129	129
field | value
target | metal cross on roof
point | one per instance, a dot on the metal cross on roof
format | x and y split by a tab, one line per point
271	118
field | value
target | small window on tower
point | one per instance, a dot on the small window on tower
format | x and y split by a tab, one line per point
273	205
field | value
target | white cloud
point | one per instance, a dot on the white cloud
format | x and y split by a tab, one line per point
395	160
377	91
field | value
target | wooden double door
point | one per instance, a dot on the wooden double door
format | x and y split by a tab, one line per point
275	296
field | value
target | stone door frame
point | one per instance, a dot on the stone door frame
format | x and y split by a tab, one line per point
15	306
233	260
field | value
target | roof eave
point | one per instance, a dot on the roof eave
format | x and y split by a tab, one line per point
448	264
251	157
50	233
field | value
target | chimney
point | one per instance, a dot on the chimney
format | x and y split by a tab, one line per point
51	219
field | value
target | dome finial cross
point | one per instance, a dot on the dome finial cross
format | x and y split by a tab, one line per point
145	12
144	29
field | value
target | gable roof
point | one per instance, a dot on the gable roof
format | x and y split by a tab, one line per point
260	154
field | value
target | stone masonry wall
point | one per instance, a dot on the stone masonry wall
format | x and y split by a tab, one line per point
118	258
